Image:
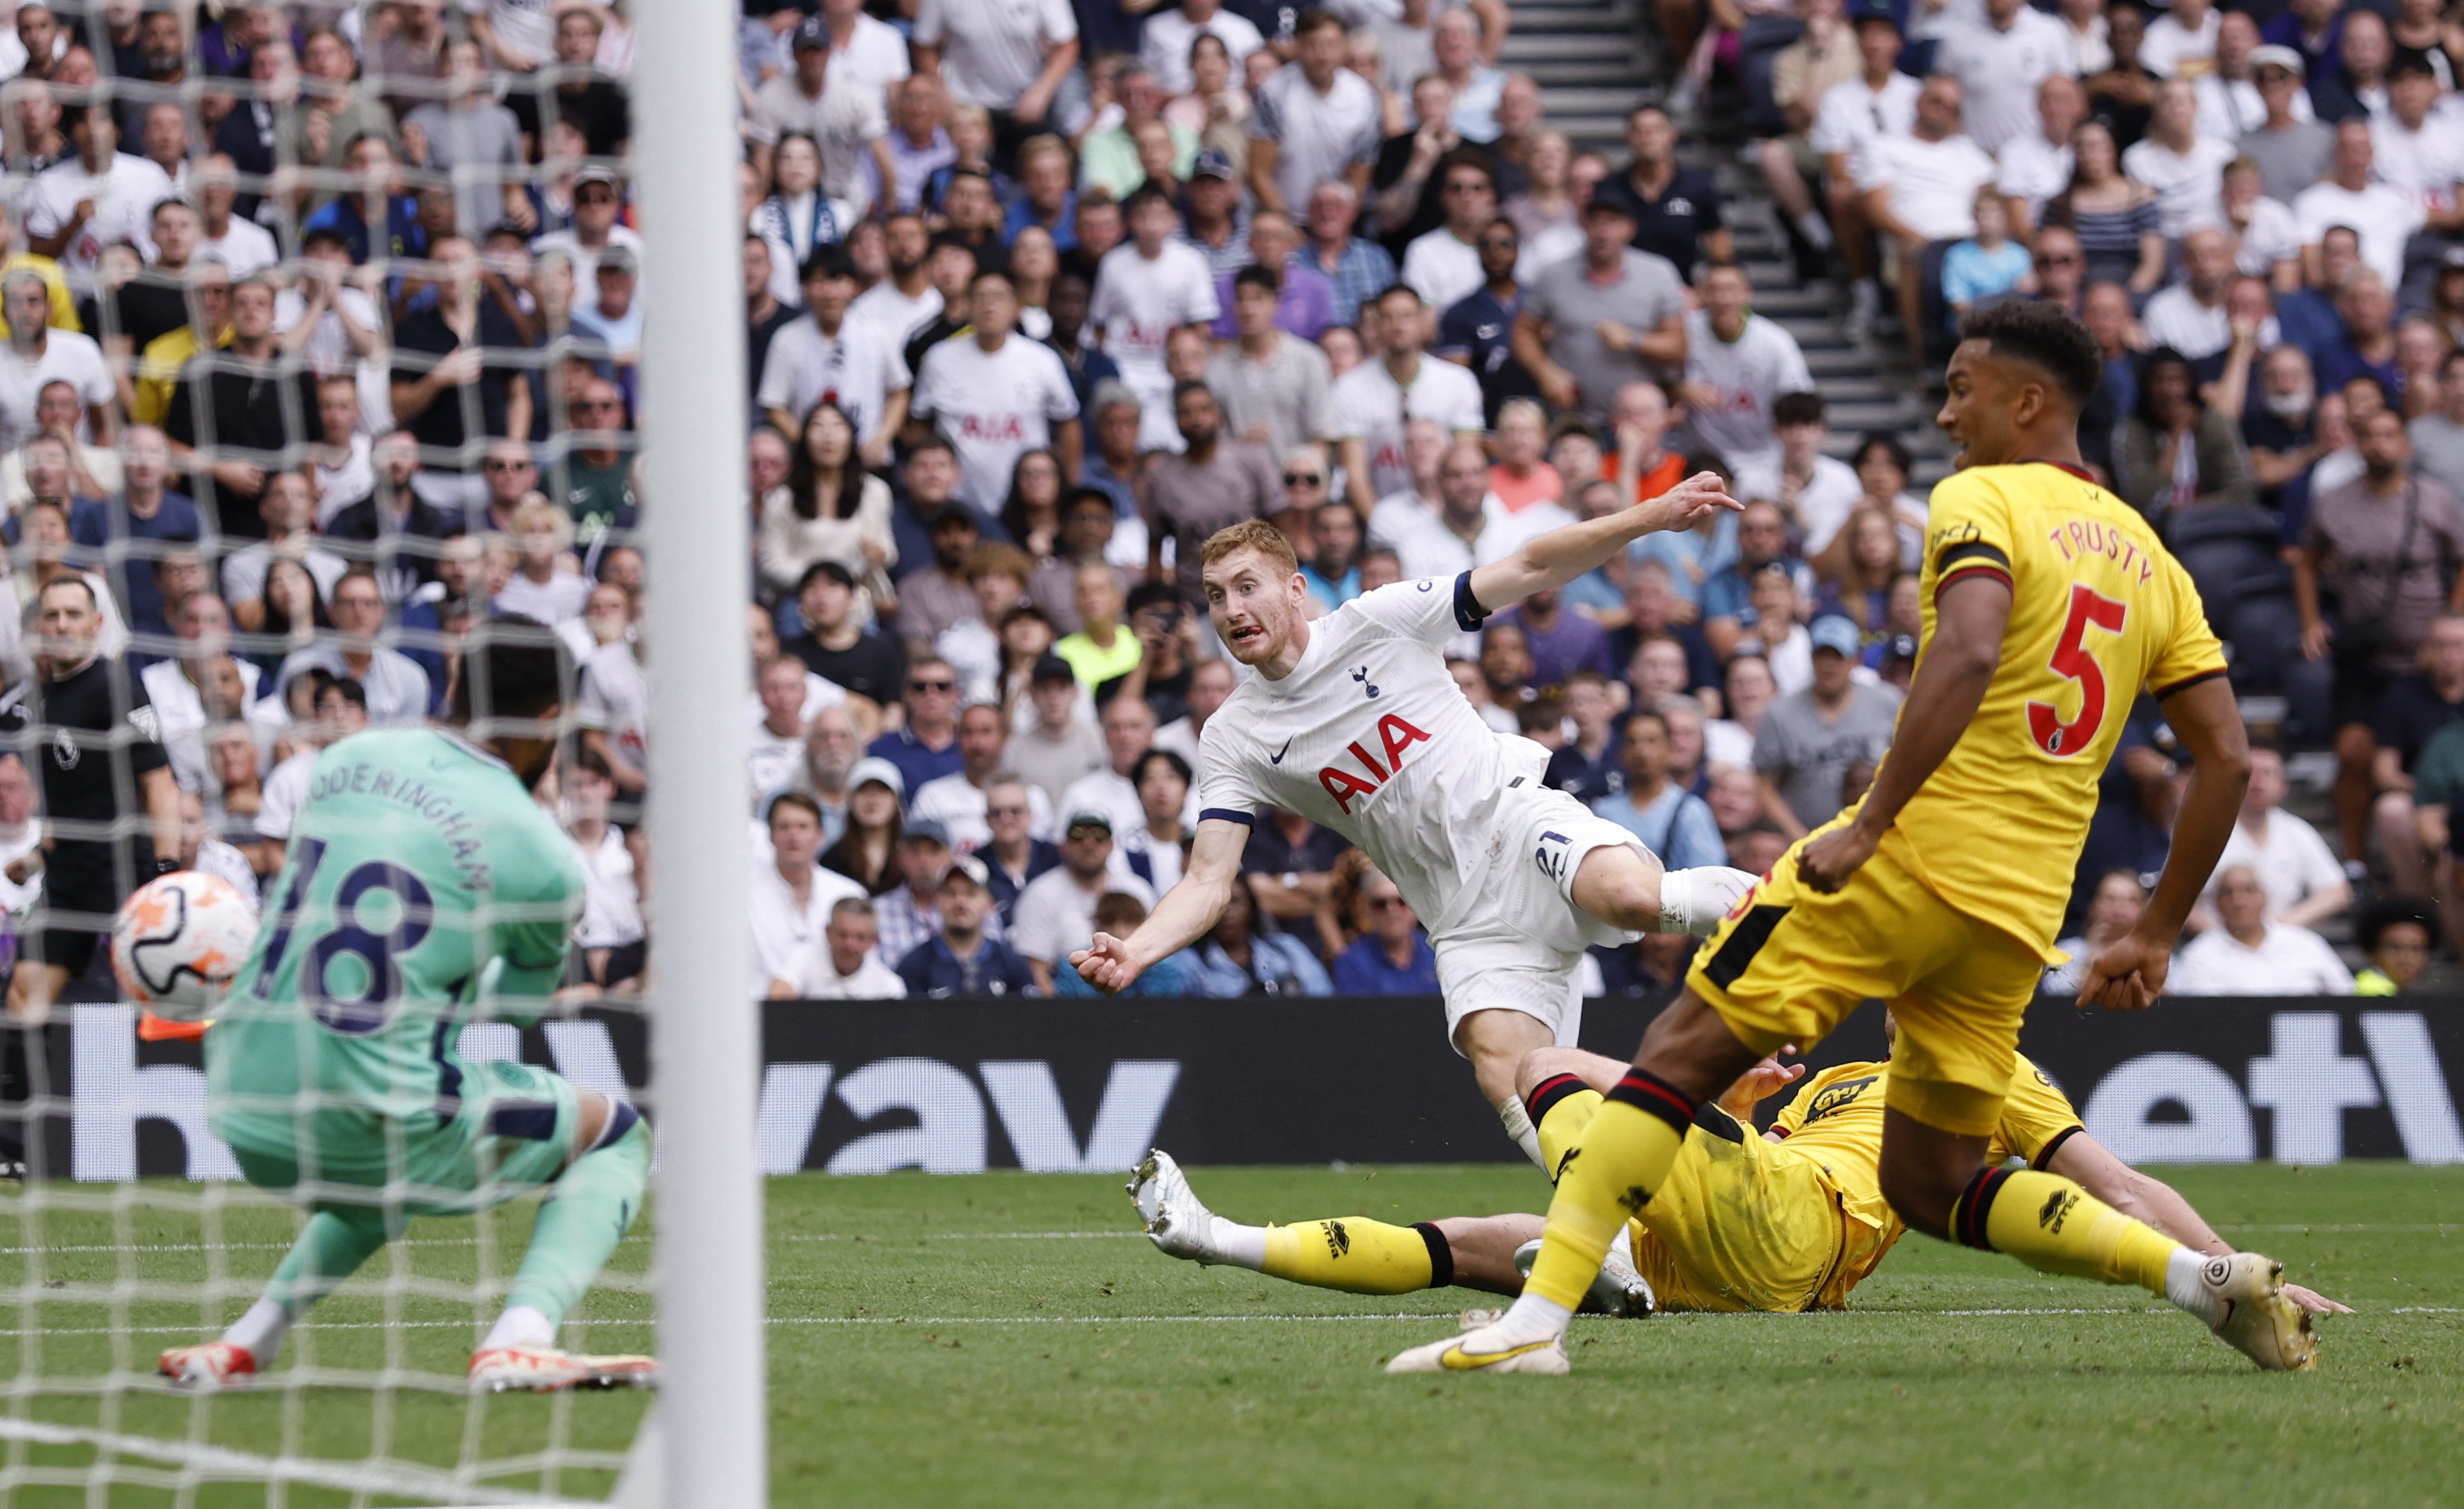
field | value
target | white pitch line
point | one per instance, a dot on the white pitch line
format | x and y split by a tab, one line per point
212	1463
468	1241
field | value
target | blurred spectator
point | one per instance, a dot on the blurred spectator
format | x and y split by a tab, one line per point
1238	959
1676	209
1999	58
828	355
1987	264
2281	435
997	396
2365	346
867	850
1587	767
855	970
832	747
1119	913
1392	956
39	355
965	956
2398	934
146	511
1672	823
909	914
1445	265
829	508
1059	746
833	646
2036	163
2350	196
2112	910
905	300
398	691
1012	856
1737	364
1727	596
2124	91
1589	326
1357	271
778	746
1376	401
2293	150
252	413
95	198
2388	546
1055	914
933	532
1559	642
924	745
1213	484
1808	741
1145	288
1922	187
960	802
2250	955
997	574
2190	316
287	510
791	902
1160	849
610	939
544	585
1815	490
2176	451
2415	774
390	526
1128	728
2185	168
1102	650
470	138
1477	330
2304	884
1314	122
1272	385
340	709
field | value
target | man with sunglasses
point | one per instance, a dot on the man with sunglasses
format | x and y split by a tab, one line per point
924	745
1213	484
598	198
1444	264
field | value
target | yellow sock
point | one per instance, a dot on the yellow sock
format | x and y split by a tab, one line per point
1625	1153
1561	1106
2054	1226
1360	1256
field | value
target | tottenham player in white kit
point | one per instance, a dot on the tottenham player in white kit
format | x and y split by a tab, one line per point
1354	722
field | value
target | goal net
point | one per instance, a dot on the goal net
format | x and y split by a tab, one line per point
326	349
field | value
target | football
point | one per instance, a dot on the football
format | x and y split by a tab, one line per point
179	940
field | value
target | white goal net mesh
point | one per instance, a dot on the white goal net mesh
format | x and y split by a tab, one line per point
321	344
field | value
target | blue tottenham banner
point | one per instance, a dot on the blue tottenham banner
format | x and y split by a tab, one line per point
1081	1085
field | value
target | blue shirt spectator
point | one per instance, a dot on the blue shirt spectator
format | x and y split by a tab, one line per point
1236	960
402	232
1368	966
964	960
1672	823
94	523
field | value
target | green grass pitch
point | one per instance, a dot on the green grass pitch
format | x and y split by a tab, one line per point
1005	1339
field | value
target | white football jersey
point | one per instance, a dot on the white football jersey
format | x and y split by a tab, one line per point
1370	736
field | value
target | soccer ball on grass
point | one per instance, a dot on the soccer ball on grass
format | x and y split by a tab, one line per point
178	942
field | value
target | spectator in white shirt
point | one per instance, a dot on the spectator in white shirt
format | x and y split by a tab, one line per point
997	395
1170	31
1374	401
2250	955
777	750
959	801
2181	42
2185	170
2001	57
1313	120
1129	732
544	584
1922	187
1145	288
1879	102
1009	58
2303	880
791	901
610	935
2190	315
854	968
37	355
2418	149
1444	266
1737	364
2036	165
2230	102
2384	217
1056	913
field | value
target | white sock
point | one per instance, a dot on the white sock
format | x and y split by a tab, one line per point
2184	1287
260	1331
1694	901
1816	230
1518	1126
521	1326
1236	1246
1532	1319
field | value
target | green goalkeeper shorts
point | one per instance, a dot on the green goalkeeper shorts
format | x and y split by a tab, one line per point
508	1135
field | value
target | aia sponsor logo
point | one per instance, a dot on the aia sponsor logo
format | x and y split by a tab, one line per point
1345	784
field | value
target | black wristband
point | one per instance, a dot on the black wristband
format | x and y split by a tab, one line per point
163	866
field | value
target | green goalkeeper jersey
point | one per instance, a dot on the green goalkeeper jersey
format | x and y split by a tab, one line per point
424	888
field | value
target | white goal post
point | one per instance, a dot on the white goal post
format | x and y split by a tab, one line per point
713	1413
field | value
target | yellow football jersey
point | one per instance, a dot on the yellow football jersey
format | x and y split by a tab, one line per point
2099	609
1836	1120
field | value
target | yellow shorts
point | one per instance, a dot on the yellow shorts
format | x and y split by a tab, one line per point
1789	964
1744	1224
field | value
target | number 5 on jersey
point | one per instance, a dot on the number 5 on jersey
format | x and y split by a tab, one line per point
2072	661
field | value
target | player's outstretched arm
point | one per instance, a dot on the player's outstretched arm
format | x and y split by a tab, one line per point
1970	616
1180	919
2130	975
2144	1197
1560	556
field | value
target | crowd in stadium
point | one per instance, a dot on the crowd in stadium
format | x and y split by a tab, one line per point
323	333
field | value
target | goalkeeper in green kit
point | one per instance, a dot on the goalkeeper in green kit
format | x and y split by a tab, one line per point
424	888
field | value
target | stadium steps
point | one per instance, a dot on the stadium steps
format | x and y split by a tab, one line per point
1594	64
